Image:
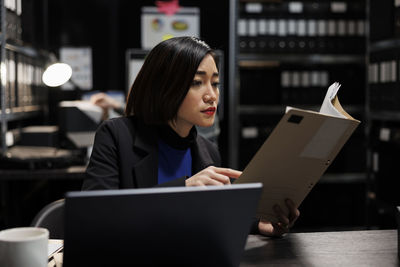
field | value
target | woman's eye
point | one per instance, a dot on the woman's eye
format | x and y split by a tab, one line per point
215	84
196	83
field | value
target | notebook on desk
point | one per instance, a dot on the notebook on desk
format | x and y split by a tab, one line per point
177	225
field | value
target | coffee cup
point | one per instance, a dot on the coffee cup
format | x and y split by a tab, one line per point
24	246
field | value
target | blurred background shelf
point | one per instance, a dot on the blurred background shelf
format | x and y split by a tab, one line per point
262	60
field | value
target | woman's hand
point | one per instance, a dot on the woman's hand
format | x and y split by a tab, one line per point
284	222
104	101
212	176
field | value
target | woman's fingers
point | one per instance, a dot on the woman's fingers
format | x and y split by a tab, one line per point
220	178
287	221
280	228
213	176
228	172
201	181
294	213
282	218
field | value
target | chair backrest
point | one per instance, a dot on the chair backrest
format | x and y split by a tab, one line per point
51	217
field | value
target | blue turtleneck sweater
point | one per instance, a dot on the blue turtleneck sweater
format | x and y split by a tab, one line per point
174	154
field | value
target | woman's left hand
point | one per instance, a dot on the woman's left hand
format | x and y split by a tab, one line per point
284	222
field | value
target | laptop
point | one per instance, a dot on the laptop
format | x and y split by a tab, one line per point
192	226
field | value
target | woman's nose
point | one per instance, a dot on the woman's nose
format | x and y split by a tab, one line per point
210	96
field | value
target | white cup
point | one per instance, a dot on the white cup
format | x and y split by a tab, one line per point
24	246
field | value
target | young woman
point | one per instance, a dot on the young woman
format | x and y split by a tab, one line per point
156	143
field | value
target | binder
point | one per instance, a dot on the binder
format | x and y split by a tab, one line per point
297	153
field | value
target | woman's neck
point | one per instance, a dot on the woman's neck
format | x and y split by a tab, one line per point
182	130
173	139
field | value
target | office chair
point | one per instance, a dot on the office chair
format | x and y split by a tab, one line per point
51	217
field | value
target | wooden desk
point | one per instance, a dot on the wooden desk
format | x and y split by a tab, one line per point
348	248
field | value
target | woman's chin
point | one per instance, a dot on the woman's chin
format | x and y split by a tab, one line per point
207	123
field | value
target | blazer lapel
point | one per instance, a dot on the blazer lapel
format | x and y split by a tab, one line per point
201	159
145	149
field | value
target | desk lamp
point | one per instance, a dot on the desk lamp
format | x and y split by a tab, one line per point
57	74
78	120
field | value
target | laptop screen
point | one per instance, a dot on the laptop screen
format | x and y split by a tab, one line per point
176	225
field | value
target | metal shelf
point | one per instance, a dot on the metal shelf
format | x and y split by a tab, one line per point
350	177
385	115
280	109
26	50
261	110
272	60
20	113
384	45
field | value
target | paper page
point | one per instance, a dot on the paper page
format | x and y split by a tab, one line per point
327	106
288	108
54	245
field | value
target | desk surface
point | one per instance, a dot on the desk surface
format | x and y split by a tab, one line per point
73	172
348	248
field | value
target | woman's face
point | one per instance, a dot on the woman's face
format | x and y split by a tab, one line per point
200	103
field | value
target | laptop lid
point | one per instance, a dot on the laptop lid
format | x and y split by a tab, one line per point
176	225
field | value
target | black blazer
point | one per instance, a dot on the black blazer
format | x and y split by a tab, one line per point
125	155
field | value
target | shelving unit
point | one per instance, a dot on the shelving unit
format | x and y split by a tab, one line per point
3	119
23	95
383	98
287	53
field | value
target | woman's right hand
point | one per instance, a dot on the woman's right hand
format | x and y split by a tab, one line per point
212	176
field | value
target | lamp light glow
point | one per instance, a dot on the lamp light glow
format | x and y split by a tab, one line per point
57	74
3	74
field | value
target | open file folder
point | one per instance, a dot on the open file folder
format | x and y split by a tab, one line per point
298	152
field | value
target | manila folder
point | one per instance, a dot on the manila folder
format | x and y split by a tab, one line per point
295	156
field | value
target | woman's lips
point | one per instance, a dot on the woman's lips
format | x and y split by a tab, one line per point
209	111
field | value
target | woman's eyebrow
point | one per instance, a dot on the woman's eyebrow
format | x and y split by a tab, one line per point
201	72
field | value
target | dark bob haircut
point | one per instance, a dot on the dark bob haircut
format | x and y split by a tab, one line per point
165	78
